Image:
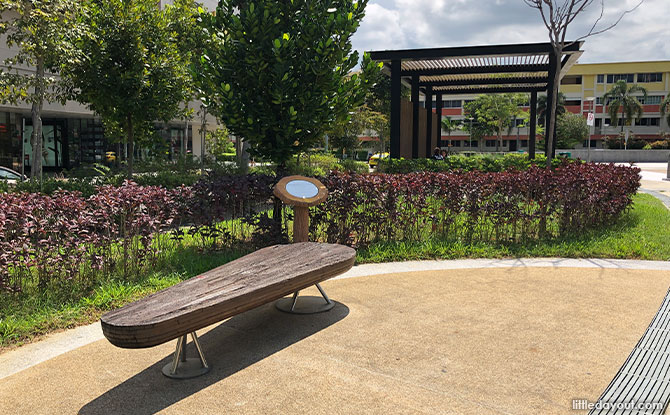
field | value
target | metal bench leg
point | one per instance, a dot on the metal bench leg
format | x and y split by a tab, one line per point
182	367
305	304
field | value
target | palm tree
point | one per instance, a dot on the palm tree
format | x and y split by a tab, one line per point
542	107
449	125
620	97
665	109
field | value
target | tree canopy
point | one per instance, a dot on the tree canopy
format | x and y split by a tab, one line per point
571	129
42	31
621	98
494	113
278	73
133	71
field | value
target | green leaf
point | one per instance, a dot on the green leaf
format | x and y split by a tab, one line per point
277	43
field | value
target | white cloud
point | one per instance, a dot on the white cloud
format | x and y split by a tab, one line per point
396	24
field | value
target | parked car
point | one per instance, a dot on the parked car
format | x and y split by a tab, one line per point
374	159
10	175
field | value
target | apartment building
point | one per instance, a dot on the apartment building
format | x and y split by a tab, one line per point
583	86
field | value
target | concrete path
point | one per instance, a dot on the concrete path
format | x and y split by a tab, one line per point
471	337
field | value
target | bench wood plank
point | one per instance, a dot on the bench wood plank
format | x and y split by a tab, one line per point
251	281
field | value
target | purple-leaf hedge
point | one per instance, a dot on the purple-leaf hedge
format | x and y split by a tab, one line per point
56	239
508	206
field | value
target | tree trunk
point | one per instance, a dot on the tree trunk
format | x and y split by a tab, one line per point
36	112
131	147
244	165
549	132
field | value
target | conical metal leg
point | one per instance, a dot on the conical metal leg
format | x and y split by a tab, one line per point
305	304
183	368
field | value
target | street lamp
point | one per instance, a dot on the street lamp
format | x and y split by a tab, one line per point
591	121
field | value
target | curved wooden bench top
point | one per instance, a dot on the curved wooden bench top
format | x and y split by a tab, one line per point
253	280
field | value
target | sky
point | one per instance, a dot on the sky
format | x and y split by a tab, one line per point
400	24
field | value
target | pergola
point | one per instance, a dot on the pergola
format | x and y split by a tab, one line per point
469	70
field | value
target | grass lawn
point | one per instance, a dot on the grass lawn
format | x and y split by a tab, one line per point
642	233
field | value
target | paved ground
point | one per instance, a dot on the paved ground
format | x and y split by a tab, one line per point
501	340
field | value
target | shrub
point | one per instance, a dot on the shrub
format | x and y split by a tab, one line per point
502	207
167	179
483	163
660	145
49	186
4	186
46	240
353	166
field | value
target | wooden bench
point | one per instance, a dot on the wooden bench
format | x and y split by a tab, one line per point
251	281
645	376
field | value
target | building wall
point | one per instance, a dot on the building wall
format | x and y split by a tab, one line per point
577	94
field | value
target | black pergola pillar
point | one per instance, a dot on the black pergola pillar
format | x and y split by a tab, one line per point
429	121
415	116
438	113
548	110
396	84
533	125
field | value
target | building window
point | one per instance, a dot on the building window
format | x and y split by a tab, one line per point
648	122
650	77
569	102
524	143
456	143
600	79
628	77
609	122
490	143
452	103
571	80
650	100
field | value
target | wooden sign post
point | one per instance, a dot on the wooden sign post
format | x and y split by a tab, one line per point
301	193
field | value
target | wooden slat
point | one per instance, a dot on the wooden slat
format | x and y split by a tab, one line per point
256	279
645	376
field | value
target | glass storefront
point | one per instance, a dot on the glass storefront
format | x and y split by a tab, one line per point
10	140
54	144
71	142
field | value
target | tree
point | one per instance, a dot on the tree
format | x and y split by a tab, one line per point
496	111
571	129
449	125
132	72
557	15
621	98
42	31
278	73
476	128
218	143
542	107
665	109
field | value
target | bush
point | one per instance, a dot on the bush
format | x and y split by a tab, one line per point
167	179
660	145
483	163
49	186
52	240
4	186
353	166
503	207
49	240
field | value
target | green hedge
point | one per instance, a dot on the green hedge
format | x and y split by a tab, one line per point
484	163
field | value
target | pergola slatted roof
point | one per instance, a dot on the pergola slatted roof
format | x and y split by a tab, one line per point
477	67
470	70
